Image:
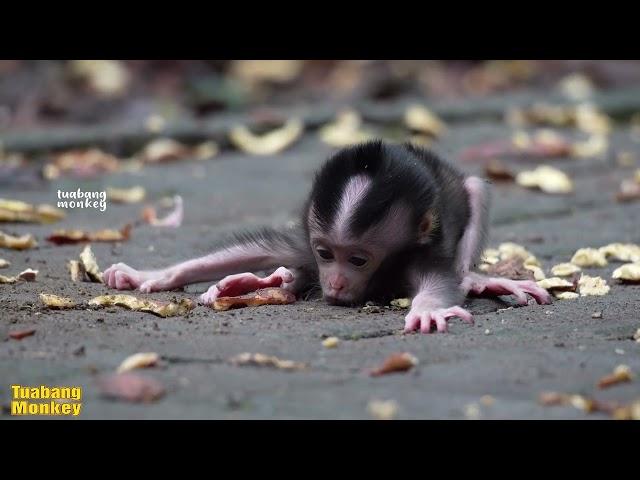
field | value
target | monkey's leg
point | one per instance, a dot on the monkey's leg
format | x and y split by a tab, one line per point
471	246
436	300
261	251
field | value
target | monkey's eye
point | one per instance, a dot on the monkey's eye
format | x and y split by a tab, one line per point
324	254
357	261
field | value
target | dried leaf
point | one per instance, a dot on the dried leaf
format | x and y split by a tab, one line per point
126	195
261	360
54	301
264	296
16	211
139	360
66	237
90	265
17	243
589	257
621	374
397	362
629	272
269	143
20	334
330	342
420	119
27	275
131	387
345	130
161	309
383	409
548	179
498	171
82	164
592	286
564	269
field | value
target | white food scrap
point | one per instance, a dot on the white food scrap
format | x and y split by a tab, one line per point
589	257
565	269
592	286
546	178
139	360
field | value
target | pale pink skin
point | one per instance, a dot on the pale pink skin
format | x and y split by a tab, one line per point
339	279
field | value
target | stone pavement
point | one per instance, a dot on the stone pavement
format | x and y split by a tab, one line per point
528	350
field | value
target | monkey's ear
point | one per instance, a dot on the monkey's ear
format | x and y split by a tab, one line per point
426	227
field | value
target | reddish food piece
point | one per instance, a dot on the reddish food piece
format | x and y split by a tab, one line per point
397	362
629	191
264	296
512	268
621	374
498	171
20	334
65	237
131	387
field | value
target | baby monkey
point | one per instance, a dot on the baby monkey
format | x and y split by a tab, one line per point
382	221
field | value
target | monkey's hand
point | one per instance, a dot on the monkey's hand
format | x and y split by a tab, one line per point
423	318
122	277
243	283
476	283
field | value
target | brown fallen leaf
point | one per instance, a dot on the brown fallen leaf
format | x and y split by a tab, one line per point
269	143
259	359
27	275
54	301
173	219
131	387
66	237
17	243
397	362
161	309
126	195
512	268
20	334
588	405
495	170
621	374
90	265
81	164
16	211
541	145
139	360
264	296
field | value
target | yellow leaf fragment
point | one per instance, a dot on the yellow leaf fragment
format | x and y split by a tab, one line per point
269	143
162	309
589	257
17	211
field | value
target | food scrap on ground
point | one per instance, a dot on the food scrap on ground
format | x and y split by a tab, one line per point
629	191
330	342
89	266
264	296
66	237
81	164
20	334
261	360
269	143
126	195
345	130
383	409
546	178
418	119
131	387
27	275
623	252
56	302
139	360
592	286
565	269
629	272
589	257
173	219
496	170
397	362
17	211
556	284
161	309
17	243
621	374
401	303
4	263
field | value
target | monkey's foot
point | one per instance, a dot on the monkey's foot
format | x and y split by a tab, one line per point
424	318
478	284
122	277
242	283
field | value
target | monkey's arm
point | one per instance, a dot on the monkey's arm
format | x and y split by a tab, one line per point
262	250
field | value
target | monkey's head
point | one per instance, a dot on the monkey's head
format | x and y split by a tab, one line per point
362	209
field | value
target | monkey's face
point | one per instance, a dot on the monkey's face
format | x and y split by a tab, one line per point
344	270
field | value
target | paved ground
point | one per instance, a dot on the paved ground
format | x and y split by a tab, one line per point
529	350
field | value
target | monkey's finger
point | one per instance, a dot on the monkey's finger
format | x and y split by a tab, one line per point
238	284
511	288
425	322
411	322
540	294
122	281
462	313
441	322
